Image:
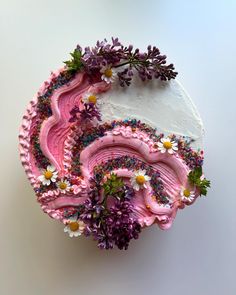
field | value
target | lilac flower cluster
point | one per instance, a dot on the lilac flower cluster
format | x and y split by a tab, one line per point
89	112
121	227
103	54
149	65
114	226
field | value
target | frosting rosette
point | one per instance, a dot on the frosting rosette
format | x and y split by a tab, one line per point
112	144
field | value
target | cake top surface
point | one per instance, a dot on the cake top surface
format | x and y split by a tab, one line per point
112	143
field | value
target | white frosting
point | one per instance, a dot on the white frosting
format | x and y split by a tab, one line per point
163	105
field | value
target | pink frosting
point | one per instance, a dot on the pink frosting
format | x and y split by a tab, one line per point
172	169
57	139
27	125
56	129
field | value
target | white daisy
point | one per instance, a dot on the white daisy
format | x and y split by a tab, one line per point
63	186
74	227
187	195
167	145
139	179
108	74
91	98
49	175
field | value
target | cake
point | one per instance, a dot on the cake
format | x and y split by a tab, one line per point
112	143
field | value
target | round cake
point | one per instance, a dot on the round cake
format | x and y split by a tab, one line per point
112	144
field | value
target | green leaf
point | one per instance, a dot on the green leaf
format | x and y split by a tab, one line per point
113	186
75	64
195	175
194	178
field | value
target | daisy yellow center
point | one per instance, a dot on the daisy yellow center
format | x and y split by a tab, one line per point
186	193
167	145
48	174
92	99
73	225
63	185
108	73
140	179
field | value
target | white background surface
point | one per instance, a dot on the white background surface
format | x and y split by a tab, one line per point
198	254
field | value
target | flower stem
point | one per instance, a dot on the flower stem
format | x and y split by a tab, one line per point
132	62
122	64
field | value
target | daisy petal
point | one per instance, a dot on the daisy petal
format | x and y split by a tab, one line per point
41	178
46	182
136	187
51	168
141	172
147	178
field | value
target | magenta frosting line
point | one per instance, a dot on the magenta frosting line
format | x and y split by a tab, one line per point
59	116
55	118
172	161
26	156
65	202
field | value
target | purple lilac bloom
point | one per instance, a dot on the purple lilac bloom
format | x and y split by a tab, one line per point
121	226
89	112
111	227
149	65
